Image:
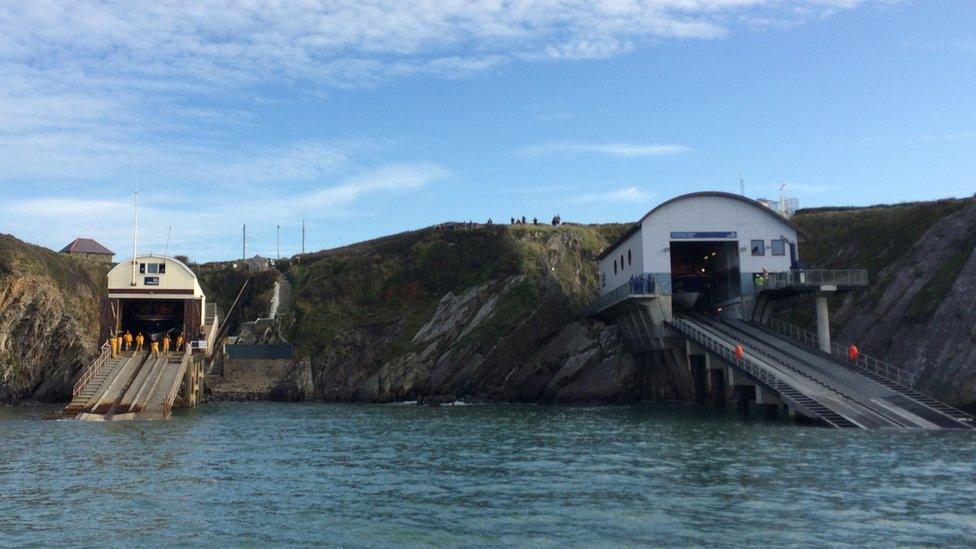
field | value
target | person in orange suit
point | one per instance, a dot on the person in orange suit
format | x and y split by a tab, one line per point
118	341
740	353
852	353
128	340
140	340
166	343
179	342
154	348
114	344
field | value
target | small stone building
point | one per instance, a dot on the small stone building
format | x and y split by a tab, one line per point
89	248
258	264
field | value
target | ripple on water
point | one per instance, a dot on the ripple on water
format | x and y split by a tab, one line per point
478	475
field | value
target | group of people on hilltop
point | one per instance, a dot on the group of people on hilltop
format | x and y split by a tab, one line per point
556	220
120	342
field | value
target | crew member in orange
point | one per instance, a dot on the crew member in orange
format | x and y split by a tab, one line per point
853	353
740	353
166	343
140	340
118	341
114	343
179	342
154	348
128	340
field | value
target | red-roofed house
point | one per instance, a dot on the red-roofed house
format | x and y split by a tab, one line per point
86	247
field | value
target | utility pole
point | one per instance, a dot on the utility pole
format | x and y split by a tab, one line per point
303	237
278	253
244	244
742	185
135	238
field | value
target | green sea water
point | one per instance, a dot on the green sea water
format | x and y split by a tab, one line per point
482	475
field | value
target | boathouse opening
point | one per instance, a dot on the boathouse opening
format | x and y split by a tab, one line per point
704	273
154	295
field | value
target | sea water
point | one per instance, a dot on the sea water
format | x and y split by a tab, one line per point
481	475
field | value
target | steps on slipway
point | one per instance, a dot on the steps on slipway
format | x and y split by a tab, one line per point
834	387
132	386
805	396
912	398
94	391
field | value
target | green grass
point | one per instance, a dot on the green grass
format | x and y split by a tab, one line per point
924	303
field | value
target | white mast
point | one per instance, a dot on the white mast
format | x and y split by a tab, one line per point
166	249
135	239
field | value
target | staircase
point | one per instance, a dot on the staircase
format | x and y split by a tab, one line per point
889	381
90	385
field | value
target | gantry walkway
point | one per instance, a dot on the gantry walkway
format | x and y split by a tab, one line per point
819	385
135	385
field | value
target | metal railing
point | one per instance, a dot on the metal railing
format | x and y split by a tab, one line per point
640	285
863	361
815	277
92	370
726	352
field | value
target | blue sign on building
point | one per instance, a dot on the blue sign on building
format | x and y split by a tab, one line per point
705	234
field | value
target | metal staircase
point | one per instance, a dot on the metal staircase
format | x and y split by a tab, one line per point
805	404
893	378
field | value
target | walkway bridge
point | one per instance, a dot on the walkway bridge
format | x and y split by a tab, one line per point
136	385
778	370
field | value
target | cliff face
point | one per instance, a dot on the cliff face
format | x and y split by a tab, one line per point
48	320
920	311
483	312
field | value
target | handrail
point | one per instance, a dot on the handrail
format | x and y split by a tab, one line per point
175	389
92	370
712	344
645	284
863	361
814	277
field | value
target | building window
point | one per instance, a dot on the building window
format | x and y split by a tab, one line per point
778	247
154	268
758	247
162	268
629	259
621	262
142	268
603	280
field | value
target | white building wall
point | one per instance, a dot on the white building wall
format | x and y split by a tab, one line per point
177	277
718	215
631	266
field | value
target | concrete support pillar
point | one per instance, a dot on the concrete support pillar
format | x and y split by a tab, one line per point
823	321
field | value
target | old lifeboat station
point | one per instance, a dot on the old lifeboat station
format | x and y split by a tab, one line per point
694	287
164	329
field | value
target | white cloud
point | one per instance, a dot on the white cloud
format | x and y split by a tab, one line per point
609	149
96	88
206	220
627	194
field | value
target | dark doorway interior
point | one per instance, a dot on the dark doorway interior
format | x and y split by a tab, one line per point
704	274
152	317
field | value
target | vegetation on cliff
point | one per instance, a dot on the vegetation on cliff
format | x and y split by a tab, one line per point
48	319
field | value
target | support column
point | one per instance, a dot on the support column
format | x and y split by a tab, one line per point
823	317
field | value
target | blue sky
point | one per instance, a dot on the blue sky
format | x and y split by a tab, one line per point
367	118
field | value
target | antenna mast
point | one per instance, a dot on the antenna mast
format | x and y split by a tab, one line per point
303	237
742	185
166	249
244	243
278	233
135	237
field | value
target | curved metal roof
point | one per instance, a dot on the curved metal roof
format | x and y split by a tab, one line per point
128	262
715	194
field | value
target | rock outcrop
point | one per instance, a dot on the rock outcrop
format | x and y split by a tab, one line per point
48	327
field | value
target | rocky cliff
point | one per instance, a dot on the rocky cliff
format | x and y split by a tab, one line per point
920	311
48	323
477	312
